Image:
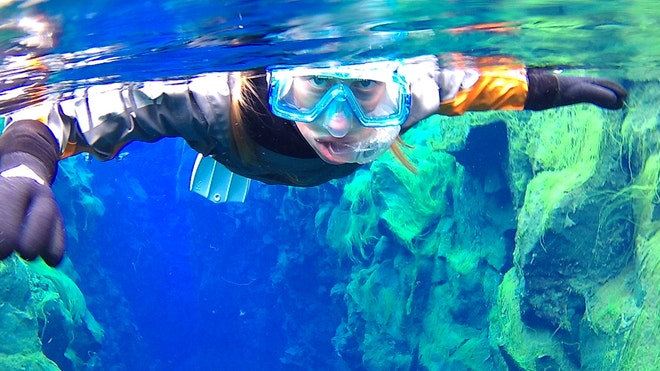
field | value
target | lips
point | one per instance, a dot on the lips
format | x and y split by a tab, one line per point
339	147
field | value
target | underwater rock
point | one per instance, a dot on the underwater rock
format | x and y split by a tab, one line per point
575	234
571	257
43	311
451	271
433	249
21	347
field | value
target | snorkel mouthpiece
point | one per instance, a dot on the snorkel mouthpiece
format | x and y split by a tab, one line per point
368	149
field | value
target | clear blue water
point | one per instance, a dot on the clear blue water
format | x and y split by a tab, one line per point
129	40
183	284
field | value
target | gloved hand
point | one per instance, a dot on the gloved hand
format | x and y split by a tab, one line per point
30	220
548	90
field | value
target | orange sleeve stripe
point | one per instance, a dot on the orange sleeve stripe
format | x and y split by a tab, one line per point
69	150
496	89
42	119
74	148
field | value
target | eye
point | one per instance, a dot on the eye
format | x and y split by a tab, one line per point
367	89
318	82
365	84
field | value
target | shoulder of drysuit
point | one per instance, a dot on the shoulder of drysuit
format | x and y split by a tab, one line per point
111	115
102	118
455	73
482	84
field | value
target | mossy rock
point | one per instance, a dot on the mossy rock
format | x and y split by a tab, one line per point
16	319
70	334
45	320
520	346
27	362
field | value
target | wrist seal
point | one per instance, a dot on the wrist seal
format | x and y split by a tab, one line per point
33	138
542	90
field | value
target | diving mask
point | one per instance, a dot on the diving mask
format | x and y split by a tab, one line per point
375	92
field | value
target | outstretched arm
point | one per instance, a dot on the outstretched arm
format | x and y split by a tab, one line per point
102	119
98	120
454	91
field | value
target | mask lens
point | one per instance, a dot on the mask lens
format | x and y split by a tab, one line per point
304	94
307	92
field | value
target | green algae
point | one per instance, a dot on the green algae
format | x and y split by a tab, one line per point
619	323
612	306
70	296
390	193
640	349
16	317
420	262
523	344
354	238
642	329
43	310
428	193
572	237
582	292
562	147
36	361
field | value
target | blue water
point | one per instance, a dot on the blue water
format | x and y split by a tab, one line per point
129	40
196	277
182	284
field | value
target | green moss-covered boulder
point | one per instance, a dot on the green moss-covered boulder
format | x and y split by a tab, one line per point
45	320
428	256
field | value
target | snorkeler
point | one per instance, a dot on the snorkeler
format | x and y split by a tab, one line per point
299	126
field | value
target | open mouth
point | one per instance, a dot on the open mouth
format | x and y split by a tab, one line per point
361	147
340	152
342	148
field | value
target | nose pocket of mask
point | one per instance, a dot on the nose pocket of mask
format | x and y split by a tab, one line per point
339	118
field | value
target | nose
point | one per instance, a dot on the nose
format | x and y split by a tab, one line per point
339	118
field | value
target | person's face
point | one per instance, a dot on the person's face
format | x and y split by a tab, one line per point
336	135
336	131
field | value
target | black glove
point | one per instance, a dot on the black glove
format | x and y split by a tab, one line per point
30	220
548	90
